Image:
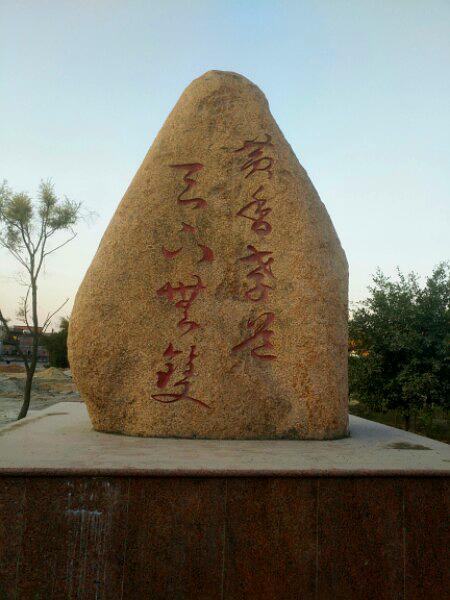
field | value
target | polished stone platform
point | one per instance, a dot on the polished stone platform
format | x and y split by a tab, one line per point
61	440
92	515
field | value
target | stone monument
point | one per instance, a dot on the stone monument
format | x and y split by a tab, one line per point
216	304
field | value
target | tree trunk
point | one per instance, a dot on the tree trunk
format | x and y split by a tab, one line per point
407	421
26	395
34	352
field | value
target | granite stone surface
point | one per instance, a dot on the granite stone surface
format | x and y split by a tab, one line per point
216	304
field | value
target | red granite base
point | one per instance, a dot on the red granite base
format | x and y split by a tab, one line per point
235	538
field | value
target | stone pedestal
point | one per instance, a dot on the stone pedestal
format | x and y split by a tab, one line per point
93	515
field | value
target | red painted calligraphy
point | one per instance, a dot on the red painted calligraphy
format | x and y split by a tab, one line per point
190	169
256	161
184	383
257	211
263	269
170	351
261	333
259	226
183	296
186	228
187	294
171	253
164	376
208	254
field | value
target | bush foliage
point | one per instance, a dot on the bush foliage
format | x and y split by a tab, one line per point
399	344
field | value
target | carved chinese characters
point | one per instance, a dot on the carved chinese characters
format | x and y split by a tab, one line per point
257	211
183	296
216	304
184	384
260	334
261	276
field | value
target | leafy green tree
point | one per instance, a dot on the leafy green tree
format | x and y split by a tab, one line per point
27	231
56	344
400	338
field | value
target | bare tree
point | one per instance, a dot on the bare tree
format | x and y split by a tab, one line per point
26	232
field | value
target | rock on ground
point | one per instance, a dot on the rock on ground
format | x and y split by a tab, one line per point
216	304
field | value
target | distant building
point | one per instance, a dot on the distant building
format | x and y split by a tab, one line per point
21	334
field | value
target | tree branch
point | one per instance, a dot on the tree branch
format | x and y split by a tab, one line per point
50	316
25	308
27	245
20	228
74	235
16	256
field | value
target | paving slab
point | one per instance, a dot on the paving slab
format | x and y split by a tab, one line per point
60	441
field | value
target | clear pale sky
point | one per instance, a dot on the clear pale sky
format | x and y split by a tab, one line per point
361	90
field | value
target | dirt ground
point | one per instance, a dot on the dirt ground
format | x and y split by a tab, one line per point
50	386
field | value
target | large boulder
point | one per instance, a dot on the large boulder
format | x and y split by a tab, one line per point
216	304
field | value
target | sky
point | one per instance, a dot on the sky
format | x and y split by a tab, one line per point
361	90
